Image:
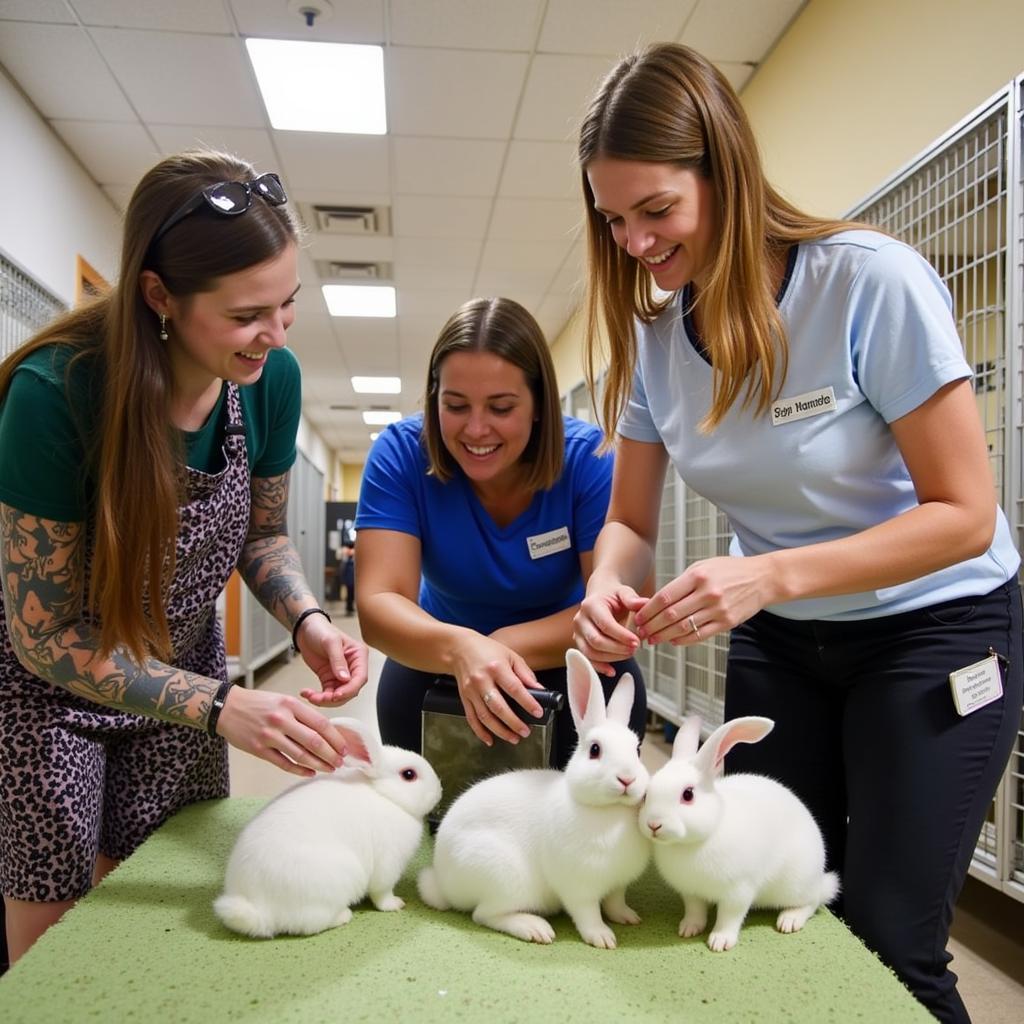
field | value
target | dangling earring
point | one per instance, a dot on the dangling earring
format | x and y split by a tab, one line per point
163	326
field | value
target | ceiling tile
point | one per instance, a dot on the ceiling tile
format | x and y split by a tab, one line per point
469	24
251	144
352	21
113	153
424	252
54	11
451	167
540	170
341	163
440	216
737	30
84	89
206	79
433	275
459	93
557	93
506	254
538	219
613	27
431	303
180	16
119	195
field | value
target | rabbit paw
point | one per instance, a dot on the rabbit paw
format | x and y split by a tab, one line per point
528	927
602	937
719	942
622	915
692	925
344	916
793	919
389	901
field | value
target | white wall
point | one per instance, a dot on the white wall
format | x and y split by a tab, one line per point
50	210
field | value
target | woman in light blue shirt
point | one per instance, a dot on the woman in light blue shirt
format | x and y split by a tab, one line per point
806	376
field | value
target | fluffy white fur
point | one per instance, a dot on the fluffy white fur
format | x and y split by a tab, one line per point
739	841
323	845
524	844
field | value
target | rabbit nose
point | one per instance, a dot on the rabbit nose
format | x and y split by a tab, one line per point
626	783
654	826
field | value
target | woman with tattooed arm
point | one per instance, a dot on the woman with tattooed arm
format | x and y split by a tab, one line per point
145	447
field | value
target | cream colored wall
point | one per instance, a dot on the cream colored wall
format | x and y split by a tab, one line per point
855	90
351	478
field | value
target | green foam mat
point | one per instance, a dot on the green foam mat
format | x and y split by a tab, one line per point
145	946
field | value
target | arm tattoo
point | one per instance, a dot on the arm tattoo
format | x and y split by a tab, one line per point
43	568
269	563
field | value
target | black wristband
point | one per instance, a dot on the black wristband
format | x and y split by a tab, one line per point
300	620
217	706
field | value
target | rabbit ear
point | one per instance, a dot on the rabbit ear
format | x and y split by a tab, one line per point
586	698
620	703
687	738
725	737
364	751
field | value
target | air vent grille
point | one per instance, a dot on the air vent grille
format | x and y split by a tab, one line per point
351	220
353	270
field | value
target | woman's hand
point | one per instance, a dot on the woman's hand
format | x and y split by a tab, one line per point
280	729
339	662
600	629
488	672
711	597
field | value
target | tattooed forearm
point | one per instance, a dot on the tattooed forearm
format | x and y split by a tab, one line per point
42	564
271	568
269	506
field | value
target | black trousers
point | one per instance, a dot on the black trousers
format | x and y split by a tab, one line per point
400	701
866	733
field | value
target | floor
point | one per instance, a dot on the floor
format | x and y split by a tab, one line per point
987	940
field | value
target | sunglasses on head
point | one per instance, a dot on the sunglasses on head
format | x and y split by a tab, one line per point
229	198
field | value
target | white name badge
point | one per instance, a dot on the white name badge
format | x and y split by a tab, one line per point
799	407
544	544
976	685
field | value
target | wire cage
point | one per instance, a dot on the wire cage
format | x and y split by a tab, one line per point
960	205
25	307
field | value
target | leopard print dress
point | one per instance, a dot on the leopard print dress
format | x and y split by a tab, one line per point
76	777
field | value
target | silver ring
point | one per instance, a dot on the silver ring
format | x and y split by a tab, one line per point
489	696
694	628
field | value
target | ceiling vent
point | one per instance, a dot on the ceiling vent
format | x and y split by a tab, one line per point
343	408
353	270
351	220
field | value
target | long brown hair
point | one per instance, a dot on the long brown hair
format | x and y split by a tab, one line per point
506	329
134	453
668	104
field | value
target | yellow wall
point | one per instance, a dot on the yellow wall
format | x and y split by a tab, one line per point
855	90
351	477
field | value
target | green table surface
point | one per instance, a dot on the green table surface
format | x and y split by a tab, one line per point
145	946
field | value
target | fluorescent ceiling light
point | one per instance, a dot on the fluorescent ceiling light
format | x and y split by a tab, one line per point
359	299
320	87
377	385
380	417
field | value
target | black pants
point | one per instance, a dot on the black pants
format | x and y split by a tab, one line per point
400	701
866	733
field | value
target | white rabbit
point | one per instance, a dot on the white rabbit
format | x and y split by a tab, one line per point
322	845
526	843
740	841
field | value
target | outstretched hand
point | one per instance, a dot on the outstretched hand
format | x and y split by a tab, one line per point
337	660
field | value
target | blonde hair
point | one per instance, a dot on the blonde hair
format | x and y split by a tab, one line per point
506	329
668	104
135	454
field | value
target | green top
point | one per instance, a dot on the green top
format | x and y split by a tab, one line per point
43	463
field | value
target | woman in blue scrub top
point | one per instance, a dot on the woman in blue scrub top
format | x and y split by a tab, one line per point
475	533
806	376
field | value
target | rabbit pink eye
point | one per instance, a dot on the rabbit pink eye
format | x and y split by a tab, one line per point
687	797
595	751
409	774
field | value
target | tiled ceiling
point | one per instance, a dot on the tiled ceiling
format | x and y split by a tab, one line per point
476	168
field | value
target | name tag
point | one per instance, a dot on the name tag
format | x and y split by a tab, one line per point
544	544
976	685
799	407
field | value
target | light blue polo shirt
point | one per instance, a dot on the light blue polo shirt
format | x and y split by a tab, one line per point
473	572
870	338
